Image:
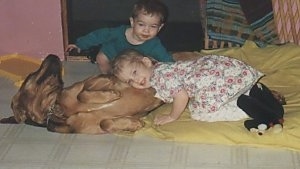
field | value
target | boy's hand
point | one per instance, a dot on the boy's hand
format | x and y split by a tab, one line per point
72	47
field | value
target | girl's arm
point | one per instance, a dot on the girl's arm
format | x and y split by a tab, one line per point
180	101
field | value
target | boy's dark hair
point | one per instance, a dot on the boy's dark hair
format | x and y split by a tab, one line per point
152	7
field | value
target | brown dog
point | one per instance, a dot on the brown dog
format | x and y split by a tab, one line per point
97	105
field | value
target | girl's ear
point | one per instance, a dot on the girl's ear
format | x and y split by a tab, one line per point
147	61
131	21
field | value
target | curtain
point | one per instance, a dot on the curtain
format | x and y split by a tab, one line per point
287	19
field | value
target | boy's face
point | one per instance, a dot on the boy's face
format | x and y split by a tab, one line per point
145	26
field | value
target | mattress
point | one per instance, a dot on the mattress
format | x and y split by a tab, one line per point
281	65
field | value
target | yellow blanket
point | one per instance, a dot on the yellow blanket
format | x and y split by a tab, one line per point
281	65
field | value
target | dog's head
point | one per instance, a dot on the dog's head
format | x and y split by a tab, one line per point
39	91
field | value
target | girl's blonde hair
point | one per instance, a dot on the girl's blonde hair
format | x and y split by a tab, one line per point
126	58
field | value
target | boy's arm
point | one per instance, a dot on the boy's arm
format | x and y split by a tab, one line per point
180	101
161	54
94	38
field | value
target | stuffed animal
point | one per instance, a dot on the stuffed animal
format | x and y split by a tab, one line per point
264	107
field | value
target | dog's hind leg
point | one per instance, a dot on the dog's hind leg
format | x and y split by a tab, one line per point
121	124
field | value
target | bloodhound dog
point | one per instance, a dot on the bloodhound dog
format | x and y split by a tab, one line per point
97	105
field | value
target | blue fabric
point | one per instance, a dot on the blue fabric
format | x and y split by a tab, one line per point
227	21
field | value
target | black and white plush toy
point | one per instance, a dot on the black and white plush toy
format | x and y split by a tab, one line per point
264	107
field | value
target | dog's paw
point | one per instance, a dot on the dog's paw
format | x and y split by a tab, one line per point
121	124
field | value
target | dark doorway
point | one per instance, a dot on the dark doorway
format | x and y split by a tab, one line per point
182	32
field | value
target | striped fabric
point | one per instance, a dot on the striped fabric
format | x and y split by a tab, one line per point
259	15
226	21
265	29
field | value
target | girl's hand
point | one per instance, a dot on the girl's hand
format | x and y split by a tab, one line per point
180	101
163	119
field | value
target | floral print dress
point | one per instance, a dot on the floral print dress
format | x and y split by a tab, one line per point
213	84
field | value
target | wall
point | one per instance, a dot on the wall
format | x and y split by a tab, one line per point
31	27
103	10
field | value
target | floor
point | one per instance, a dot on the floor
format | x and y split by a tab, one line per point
28	147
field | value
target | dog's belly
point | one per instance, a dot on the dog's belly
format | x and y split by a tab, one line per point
86	118
132	102
69	103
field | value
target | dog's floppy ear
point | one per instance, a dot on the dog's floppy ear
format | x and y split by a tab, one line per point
51	66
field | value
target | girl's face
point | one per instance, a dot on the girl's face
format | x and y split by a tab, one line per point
145	27
137	74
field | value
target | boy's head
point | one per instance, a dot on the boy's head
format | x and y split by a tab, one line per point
151	7
148	17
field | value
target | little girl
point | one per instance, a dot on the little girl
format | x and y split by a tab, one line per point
215	88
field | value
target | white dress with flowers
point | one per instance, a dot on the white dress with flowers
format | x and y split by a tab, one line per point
213	84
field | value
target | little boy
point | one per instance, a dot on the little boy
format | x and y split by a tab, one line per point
148	17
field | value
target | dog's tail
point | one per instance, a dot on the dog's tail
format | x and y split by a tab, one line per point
12	120
8	120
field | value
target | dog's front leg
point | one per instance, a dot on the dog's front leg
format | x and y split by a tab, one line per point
101	96
96	83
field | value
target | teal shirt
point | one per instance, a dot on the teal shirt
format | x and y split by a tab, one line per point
113	41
